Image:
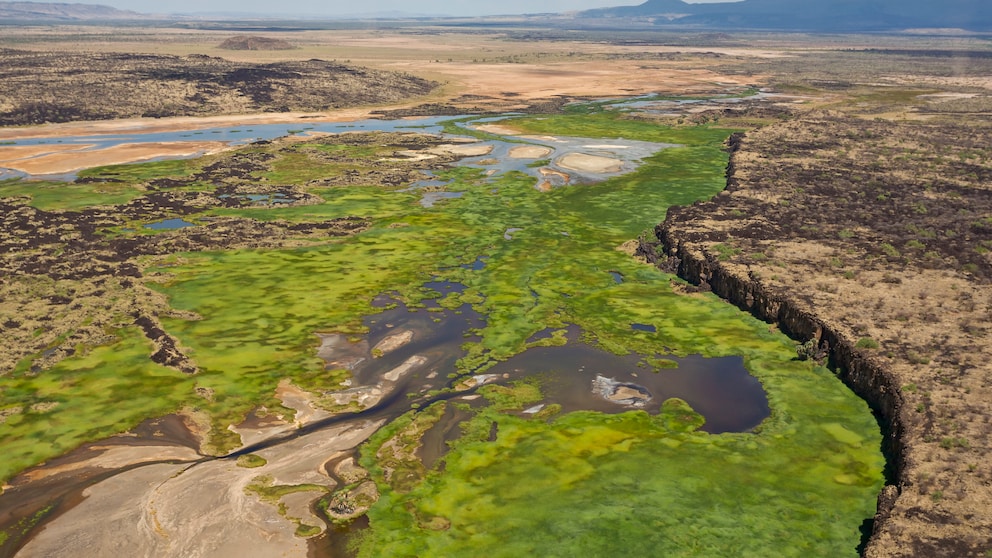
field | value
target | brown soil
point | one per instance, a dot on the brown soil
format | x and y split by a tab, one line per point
871	238
39	87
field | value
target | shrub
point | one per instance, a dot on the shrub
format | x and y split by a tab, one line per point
866	343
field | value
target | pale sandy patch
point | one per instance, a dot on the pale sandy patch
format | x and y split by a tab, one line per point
118	457
530	152
205	510
60	161
593	79
179	123
498	129
409	365
392	342
471	150
11	153
408	155
590	163
300	401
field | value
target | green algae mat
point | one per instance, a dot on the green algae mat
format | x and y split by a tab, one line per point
646	482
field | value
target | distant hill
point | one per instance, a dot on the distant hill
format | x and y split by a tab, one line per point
254	42
34	11
811	15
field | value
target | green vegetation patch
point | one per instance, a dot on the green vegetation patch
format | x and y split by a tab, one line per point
60	195
554	484
103	392
251	461
585	482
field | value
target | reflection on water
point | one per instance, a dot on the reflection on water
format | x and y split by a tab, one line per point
430	198
720	389
168	224
478	265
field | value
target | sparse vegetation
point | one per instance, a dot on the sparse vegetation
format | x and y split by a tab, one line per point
44	87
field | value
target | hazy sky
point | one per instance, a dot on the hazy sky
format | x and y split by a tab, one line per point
343	7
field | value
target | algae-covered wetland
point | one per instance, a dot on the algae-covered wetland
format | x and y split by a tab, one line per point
487	374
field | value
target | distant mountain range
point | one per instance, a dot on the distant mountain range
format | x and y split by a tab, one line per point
810	15
779	15
44	11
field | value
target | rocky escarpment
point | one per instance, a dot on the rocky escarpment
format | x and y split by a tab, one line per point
853	251
863	374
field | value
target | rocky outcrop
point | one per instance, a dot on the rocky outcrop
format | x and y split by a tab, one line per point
866	377
676	251
880	265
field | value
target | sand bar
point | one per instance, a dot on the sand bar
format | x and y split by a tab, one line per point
498	129
59	159
530	152
590	163
471	150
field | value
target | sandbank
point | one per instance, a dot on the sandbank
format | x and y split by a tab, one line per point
582	162
470	150
530	152
59	159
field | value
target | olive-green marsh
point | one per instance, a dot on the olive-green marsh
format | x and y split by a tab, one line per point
574	484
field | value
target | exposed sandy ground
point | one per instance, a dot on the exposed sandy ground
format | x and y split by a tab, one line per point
203	511
590	163
463	150
575	79
498	129
530	152
392	342
474	69
117	457
12	153
300	401
63	159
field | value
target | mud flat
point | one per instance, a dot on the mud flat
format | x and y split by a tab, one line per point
209	509
463	150
530	152
64	159
590	163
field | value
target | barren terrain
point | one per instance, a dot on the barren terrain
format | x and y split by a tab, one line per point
40	87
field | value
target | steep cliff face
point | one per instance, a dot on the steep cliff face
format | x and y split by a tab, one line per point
805	236
866	377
